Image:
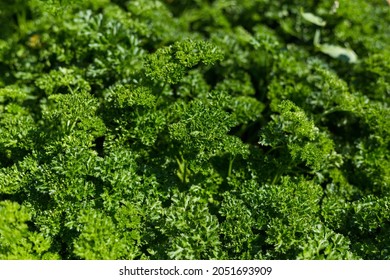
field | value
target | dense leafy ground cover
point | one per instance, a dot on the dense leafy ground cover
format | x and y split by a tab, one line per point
194	129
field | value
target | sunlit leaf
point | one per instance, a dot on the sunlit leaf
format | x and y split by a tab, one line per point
338	52
313	18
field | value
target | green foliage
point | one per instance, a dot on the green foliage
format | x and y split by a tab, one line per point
17	242
169	64
167	129
105	240
190	231
292	131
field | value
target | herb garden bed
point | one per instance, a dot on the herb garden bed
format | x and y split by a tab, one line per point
194	129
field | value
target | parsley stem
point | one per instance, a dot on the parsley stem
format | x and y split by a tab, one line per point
231	160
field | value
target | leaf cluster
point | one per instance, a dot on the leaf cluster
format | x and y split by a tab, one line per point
196	129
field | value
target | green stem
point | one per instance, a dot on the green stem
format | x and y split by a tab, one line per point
231	160
21	19
185	172
159	95
276	178
273	149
